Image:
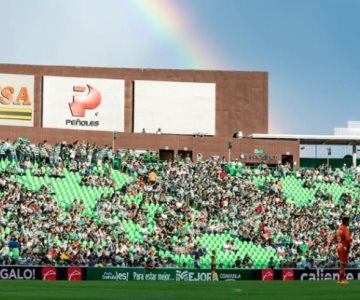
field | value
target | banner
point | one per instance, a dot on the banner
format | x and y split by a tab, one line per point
83	103
74	274
49	273
175	107
287	274
20	273
65	273
194	275
267	274
16	100
127	274
235	274
166	274
325	274
205	275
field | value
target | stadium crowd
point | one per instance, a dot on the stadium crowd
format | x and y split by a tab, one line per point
197	198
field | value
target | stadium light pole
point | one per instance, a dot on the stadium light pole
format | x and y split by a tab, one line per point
113	139
328	155
354	158
193	148
230	144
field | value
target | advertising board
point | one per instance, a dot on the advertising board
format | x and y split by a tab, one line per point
16	100
49	273
83	103
325	274
20	273
166	274
175	107
129	274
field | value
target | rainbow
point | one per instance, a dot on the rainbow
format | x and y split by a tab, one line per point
174	25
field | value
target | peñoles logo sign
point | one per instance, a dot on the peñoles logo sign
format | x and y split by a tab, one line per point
83	102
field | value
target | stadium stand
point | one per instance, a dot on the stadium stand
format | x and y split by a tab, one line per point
85	205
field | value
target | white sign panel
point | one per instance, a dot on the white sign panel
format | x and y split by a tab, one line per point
175	107
16	100
83	103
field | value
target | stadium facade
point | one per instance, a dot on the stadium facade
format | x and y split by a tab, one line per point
186	112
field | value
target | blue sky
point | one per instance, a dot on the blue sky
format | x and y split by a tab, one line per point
311	49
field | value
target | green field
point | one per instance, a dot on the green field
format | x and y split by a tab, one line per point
27	290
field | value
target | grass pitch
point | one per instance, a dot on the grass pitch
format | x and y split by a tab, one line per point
278	290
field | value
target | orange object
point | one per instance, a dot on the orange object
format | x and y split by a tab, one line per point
343	239
152	176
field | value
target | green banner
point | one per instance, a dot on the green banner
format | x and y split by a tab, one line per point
127	274
166	274
235	274
205	275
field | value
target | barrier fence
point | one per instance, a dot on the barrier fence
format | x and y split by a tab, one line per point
167	274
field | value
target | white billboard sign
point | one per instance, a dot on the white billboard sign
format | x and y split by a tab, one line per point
175	107
16	100
83	103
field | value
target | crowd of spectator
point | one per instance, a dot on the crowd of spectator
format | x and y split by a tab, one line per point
196	198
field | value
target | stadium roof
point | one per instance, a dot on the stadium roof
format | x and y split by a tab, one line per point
307	139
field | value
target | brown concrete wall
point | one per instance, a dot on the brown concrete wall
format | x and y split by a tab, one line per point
241	105
241	97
